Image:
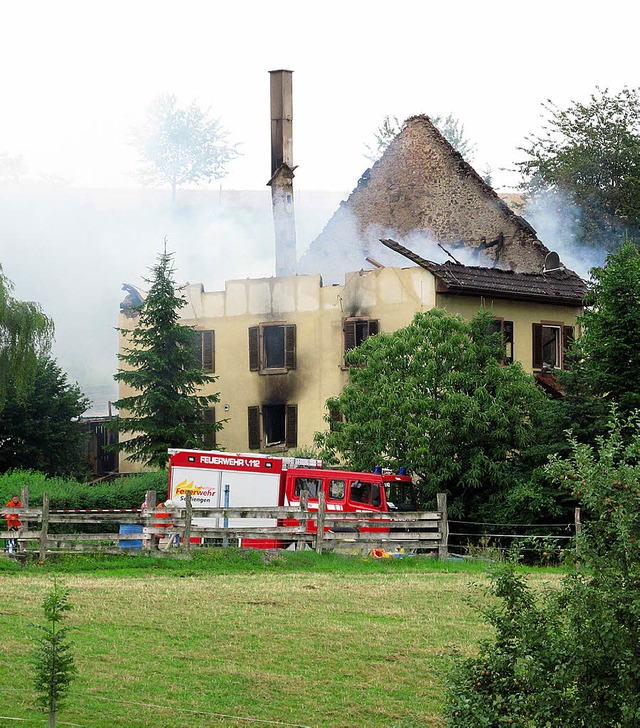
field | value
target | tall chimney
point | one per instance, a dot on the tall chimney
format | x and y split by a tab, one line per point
282	169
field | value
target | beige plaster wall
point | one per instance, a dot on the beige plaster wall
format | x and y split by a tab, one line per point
390	295
522	313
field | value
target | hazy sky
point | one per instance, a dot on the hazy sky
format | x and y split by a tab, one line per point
78	74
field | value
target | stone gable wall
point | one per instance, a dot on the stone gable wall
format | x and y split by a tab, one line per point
422	187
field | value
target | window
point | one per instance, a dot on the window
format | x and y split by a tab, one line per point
360	492
204	350
209	439
356	330
273	426
505	329
337	489
549	344
312	485
272	348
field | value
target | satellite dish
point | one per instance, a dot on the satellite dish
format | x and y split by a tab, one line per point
552	262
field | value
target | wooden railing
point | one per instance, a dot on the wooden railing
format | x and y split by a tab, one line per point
320	529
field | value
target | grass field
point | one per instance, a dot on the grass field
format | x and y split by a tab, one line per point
228	640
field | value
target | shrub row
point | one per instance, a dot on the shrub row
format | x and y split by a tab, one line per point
125	492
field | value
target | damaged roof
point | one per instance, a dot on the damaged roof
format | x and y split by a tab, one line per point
561	286
422	187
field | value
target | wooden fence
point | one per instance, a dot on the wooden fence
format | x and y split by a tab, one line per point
321	529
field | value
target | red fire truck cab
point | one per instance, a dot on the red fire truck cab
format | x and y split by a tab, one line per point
233	480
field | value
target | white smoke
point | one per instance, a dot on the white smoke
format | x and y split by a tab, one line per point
71	250
557	223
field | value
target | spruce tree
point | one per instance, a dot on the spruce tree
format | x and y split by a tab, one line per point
52	660
166	409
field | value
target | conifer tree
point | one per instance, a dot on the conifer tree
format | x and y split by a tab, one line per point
52	660
167	408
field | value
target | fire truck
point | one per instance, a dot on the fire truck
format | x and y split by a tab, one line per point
236	480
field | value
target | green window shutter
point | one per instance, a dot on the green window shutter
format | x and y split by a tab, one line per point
253	419
208	351
210	435
291	425
536	336
290	346
254	348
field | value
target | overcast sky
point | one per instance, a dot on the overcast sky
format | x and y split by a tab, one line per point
77	75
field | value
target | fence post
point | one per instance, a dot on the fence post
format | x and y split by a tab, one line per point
304	520
320	522
225	520
187	522
150	500
578	525
443	527
24	499
44	531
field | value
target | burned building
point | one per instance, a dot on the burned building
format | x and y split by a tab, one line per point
278	345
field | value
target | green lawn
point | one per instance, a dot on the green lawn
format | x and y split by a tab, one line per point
226	640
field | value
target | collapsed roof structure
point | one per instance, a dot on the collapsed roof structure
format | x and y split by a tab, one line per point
422	192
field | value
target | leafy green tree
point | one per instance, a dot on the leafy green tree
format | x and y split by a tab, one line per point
165	409
53	660
570	656
435	397
180	146
588	156
40	428
610	343
452	130
25	335
603	367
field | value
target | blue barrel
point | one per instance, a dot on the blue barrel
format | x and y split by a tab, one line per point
130	528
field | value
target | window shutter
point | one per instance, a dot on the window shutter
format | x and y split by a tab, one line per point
507	340
290	346
334	418
253	418
254	348
196	347
210	434
567	340
507	332
349	329
536	335
208	351
291	424
373	327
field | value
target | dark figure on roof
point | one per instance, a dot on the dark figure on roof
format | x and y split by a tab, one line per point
131	304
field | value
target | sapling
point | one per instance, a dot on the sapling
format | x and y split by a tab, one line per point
53	662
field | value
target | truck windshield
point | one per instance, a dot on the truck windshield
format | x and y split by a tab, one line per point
401	496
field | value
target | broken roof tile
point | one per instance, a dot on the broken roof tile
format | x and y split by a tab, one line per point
560	286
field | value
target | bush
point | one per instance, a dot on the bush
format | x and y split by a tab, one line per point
572	656
125	492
